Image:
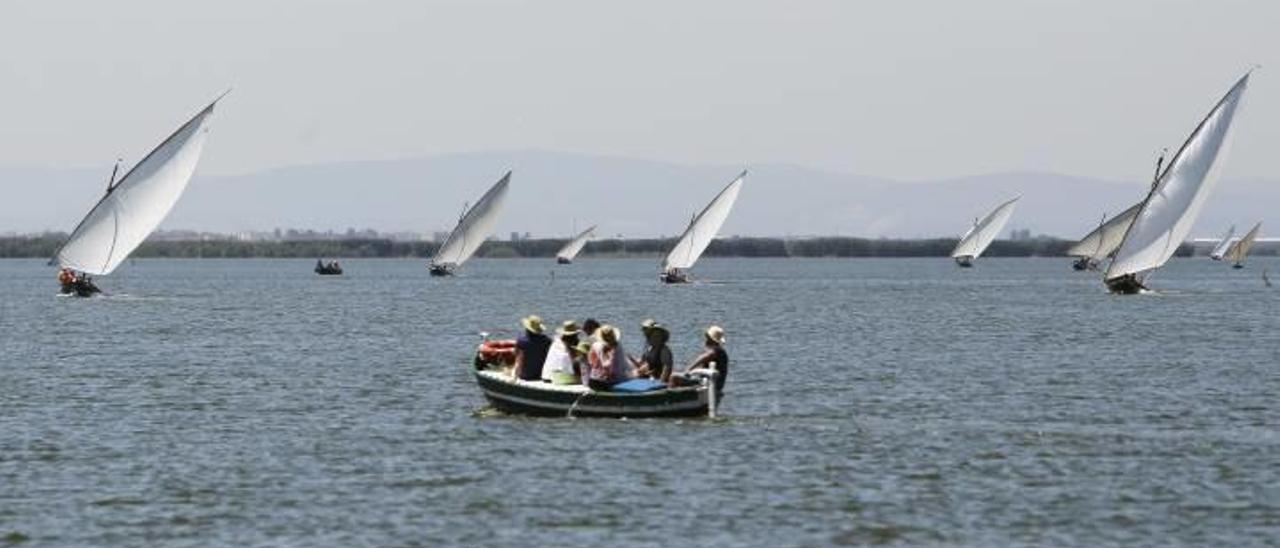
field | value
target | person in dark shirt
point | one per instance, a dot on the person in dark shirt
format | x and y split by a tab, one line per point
713	355
656	362
531	350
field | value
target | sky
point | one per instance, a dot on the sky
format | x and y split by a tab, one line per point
899	89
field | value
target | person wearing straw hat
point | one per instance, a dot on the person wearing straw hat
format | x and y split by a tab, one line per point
656	361
559	367
581	365
531	350
713	356
608	360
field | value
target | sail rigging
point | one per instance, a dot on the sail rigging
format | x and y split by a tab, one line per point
983	232
137	203
1240	249
571	249
1104	240
1171	207
474	226
703	228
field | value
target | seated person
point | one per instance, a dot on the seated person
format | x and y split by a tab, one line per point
656	362
608	361
559	367
713	356
531	350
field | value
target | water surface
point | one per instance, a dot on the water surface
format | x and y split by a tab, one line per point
871	401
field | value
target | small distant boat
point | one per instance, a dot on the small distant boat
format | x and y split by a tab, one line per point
132	208
571	249
1098	245
328	269
1239	250
1174	202
473	228
982	233
1223	244
701	231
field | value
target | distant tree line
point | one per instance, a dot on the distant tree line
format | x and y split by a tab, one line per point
44	246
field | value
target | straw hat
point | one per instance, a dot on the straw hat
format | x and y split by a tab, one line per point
569	327
532	324
716	333
649	326
608	334
583	348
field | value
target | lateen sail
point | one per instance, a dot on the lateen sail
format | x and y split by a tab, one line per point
474	227
1174	203
1241	248
136	205
703	228
976	240
1104	240
571	249
1221	249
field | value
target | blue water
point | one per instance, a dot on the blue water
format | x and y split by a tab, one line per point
871	401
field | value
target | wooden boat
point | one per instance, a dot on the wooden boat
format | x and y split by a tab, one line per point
1239	250
982	233
330	269
571	249
132	207
473	227
698	235
542	399
1098	245
1220	248
1175	200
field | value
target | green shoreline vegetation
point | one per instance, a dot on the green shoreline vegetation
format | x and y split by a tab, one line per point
44	246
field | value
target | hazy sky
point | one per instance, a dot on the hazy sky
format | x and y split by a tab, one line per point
899	89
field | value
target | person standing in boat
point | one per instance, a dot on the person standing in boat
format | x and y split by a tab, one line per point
531	350
559	367
608	360
713	356
656	362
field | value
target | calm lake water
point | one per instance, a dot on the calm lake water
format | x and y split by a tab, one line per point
871	401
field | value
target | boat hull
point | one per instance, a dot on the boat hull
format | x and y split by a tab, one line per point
1126	285
80	288
562	260
440	270
329	271
541	399
964	261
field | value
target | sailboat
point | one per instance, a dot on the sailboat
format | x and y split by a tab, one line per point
1172	205
571	249
1096	246
702	229
1220	248
473	228
132	208
982	233
1240	249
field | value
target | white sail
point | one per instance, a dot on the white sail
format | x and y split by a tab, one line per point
1171	208
1240	249
976	240
571	249
474	227
1100	243
135	206
1221	249
703	228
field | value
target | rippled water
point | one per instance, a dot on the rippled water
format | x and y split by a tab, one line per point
871	401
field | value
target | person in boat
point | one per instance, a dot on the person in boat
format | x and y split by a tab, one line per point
559	367
590	326
531	350
656	362
713	356
607	360
581	363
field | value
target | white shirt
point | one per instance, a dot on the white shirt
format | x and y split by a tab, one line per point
558	360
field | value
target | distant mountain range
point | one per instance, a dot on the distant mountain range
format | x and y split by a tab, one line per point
553	192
